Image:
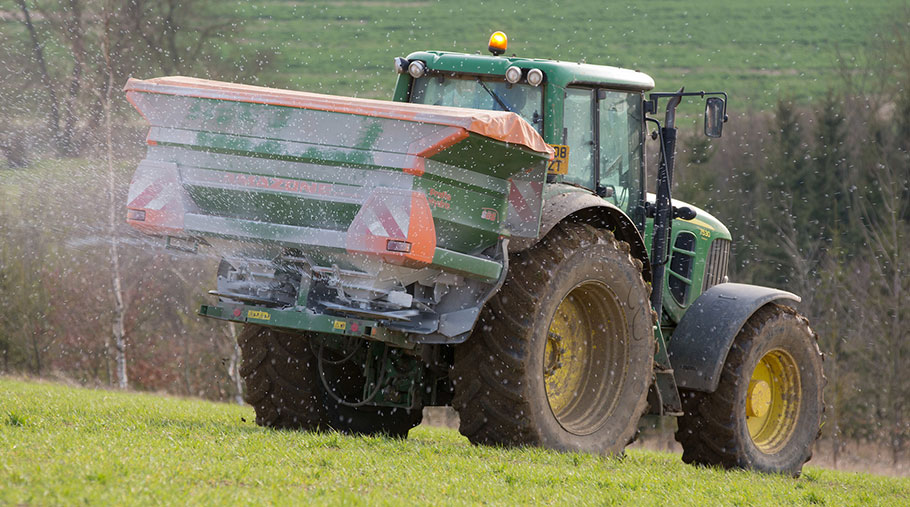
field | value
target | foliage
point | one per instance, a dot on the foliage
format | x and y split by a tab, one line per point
824	194
55	289
56	57
66	445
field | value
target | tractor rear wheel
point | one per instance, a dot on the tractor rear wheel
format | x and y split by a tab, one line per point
284	387
562	356
766	412
279	371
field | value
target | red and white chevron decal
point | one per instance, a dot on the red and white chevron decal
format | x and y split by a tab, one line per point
396	224
525	199
156	199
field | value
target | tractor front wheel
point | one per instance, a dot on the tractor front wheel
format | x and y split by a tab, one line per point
279	371
766	412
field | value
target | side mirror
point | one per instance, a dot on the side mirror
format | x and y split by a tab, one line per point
714	116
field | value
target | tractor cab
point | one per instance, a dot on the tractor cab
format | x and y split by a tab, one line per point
592	115
595	118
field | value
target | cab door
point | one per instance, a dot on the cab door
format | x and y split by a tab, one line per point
604	132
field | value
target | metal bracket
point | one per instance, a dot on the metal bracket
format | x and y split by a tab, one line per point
665	399
455	327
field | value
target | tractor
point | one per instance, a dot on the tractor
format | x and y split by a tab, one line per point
485	240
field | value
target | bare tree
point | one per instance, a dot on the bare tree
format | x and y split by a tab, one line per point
837	321
234	364
147	37
74	32
53	118
886	234
119	307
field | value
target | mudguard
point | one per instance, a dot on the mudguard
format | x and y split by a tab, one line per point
586	207
699	345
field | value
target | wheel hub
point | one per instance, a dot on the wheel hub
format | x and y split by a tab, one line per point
758	401
773	401
585	357
553	354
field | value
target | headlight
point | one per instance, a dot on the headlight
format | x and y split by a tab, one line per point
401	65
535	77
417	69
513	74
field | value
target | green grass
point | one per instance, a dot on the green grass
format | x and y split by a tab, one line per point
758	51
64	445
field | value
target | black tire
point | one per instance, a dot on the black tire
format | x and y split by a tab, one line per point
501	388
279	371
715	428
391	422
284	388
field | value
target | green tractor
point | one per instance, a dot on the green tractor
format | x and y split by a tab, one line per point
485	241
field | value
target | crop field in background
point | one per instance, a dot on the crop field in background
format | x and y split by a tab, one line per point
61	444
757	51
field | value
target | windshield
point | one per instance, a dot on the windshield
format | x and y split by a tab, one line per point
477	93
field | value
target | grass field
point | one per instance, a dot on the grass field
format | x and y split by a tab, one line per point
64	445
757	51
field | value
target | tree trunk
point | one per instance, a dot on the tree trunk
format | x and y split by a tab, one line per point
53	120
74	31
119	308
107	359
835	411
186	364
36	350
234	365
894	391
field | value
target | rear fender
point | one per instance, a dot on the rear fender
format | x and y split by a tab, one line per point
588	208
698	347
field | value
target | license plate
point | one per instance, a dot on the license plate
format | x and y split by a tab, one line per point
560	162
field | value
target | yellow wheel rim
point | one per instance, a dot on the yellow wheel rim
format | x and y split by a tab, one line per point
772	401
585	357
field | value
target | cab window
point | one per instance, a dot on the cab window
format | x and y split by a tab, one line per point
603	130
481	93
620	122
578	133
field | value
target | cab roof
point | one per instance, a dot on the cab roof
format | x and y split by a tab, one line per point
557	72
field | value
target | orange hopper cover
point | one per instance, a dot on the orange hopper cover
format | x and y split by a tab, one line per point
501	125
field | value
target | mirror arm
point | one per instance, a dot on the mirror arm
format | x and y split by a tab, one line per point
670	119
651	103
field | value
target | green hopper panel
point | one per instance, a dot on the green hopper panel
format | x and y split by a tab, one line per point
274	169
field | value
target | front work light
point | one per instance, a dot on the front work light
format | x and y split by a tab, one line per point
535	77
513	74
498	43
417	69
401	65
